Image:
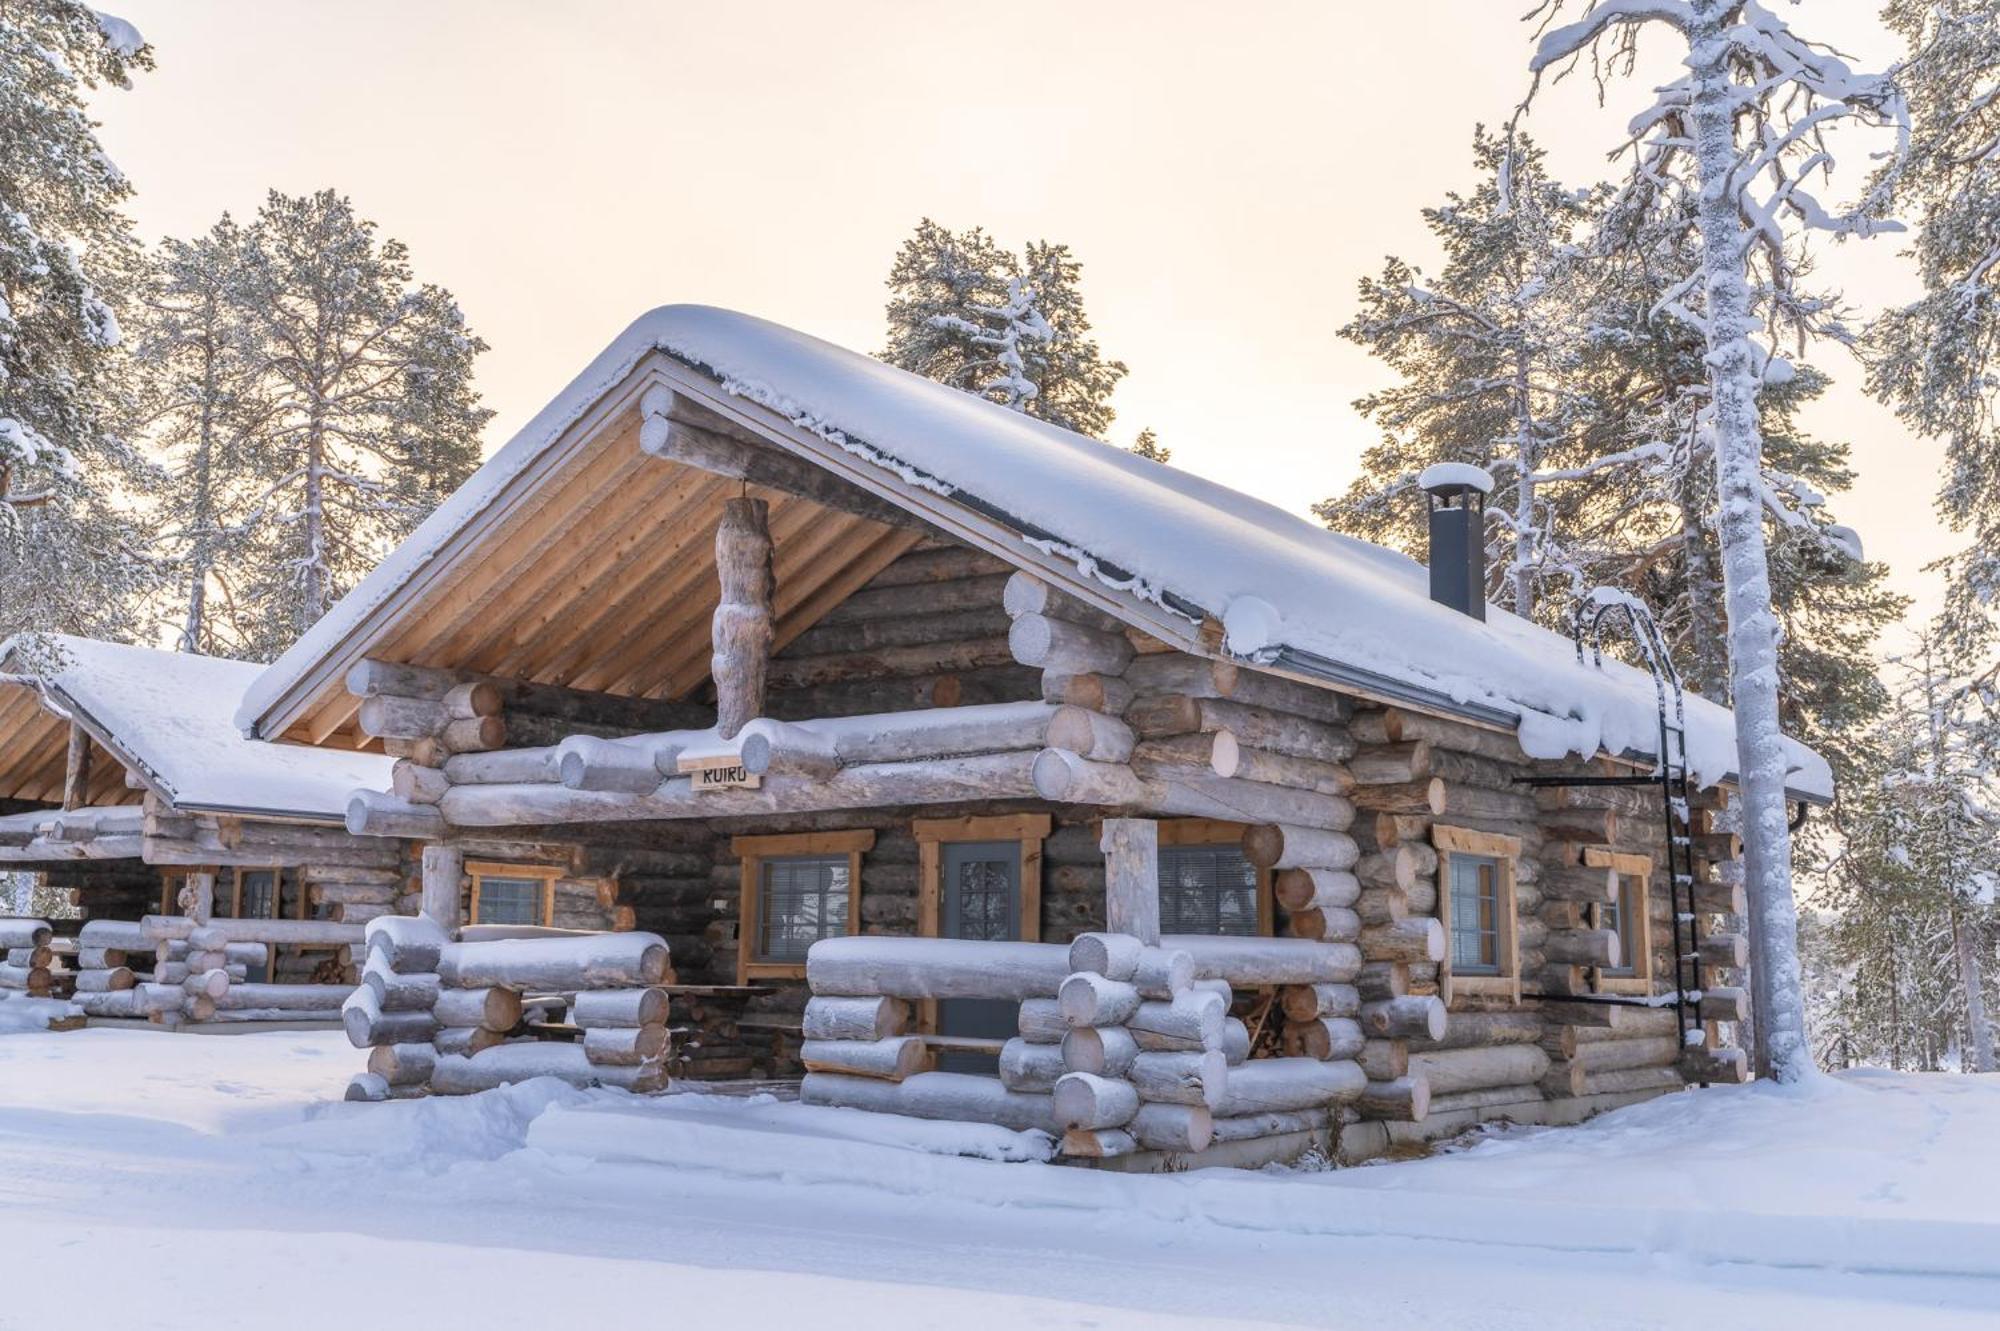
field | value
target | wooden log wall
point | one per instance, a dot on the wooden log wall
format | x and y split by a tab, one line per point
1496	1058
424	716
454	1012
107	889
927	631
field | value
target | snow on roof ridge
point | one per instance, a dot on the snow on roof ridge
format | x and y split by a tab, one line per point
1161	533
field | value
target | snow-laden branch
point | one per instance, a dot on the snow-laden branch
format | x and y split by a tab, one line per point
1573	38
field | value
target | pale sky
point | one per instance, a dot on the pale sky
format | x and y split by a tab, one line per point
1225	173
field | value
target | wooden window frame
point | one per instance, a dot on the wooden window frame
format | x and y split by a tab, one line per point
1626	865
1217	832
752	851
477	870
1029	829
277	872
1506	851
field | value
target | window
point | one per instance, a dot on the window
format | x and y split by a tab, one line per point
1476	901
1207	890
796	891
256	894
512	893
1475	915
1206	885
802	899
1628	915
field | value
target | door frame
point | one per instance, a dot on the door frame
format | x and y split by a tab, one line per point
1028	829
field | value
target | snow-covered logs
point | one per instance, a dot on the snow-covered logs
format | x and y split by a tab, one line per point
1123	1045
199	963
447	1017
28	959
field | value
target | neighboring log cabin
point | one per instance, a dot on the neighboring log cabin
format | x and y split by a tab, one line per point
982	771
127	786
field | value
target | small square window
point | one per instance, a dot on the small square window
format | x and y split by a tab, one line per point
509	900
1207	890
801	899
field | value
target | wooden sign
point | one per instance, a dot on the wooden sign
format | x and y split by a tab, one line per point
719	771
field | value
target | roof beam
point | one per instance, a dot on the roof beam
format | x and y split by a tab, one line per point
673	430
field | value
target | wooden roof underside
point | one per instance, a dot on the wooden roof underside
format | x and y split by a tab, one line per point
34	754
606	581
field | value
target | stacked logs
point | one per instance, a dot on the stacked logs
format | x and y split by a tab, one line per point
353	894
106	976
1177	1058
971	753
1121	1047
1141	1062
1722	909
422	718
861	1052
200	966
448	727
444	1017
927	631
1174	733
29	965
1627	820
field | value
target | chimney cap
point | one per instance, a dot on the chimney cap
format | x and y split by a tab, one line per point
1451	478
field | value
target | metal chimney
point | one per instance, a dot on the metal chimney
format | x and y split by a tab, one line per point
1458	493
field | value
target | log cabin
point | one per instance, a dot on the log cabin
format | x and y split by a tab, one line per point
127	786
977	770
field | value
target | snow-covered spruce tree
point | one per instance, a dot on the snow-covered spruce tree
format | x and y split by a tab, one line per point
1937	360
965	312
1915	883
71	555
1739	137
1488	354
201	400
372	418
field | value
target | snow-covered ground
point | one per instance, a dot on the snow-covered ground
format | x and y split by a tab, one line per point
216	1182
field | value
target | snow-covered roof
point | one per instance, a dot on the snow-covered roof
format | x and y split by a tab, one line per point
168	715
1160	542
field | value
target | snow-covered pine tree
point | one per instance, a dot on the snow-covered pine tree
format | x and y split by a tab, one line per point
1148	446
1915	884
1543	338
1650	530
1937	360
967	313
1488	354
71	554
201	400
1738	137
373	417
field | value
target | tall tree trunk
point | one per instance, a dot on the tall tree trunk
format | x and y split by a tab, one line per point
312	586
1525	463
202	517
1970	974
1782	1052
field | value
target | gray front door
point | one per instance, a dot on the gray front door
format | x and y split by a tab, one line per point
982	899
